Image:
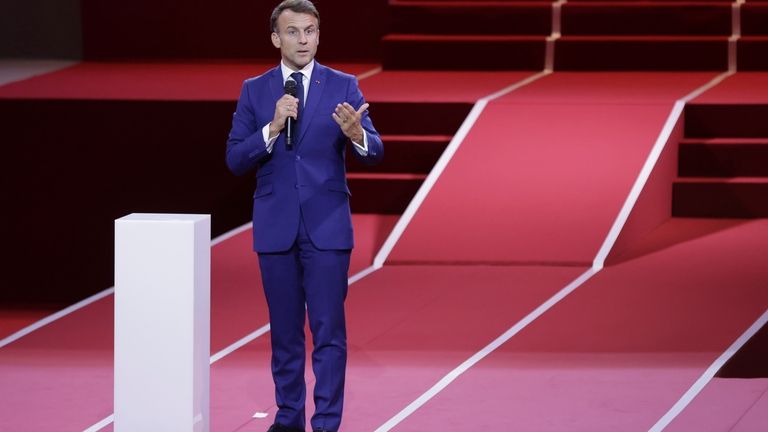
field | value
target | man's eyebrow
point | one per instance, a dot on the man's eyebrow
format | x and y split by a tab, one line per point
297	28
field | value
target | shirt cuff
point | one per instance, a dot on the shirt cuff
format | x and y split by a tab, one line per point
362	148
269	143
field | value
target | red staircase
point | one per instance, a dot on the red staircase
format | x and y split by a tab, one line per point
593	34
644	35
467	35
723	162
752	51
414	135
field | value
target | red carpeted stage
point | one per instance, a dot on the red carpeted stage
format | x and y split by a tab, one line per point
572	238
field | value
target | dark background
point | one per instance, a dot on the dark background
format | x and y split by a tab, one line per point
170	29
70	167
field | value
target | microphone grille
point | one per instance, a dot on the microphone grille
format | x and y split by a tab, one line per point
290	87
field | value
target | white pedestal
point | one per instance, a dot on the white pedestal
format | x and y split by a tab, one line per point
162	322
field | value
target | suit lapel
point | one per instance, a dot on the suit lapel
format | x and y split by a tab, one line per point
276	84
316	87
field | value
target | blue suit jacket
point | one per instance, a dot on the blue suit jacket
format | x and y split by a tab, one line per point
308	181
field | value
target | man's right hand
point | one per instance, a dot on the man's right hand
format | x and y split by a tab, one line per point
286	106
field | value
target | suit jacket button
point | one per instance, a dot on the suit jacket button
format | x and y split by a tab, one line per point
298	158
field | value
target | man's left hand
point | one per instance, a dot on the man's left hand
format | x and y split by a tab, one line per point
349	120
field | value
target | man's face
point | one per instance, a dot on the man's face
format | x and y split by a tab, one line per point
297	36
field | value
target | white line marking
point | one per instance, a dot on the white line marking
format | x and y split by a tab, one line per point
440	166
102	424
231	233
549	53
707	376
735	35
240	343
47	320
369	73
452	375
645	172
361	274
13	70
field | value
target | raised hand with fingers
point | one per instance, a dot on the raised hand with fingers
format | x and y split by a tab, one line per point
349	120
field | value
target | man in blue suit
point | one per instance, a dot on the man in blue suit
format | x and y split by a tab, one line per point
302	226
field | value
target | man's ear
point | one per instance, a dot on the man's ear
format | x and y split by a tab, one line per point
275	40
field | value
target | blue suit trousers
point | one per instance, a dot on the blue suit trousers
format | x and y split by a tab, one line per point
306	275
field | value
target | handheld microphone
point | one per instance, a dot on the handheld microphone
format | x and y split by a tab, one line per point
290	122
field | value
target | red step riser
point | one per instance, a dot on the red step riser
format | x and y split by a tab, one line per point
474	54
646	19
578	54
530	19
752	53
754	19
726	120
719	200
402	156
419	118
723	160
383	196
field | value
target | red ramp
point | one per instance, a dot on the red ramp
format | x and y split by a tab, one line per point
544	172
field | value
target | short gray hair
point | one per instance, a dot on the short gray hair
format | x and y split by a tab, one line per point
298	6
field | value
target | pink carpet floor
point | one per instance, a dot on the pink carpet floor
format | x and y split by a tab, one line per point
518	214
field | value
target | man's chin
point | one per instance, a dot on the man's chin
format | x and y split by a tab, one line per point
299	63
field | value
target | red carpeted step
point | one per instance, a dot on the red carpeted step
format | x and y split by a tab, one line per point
463	52
752	53
389	187
692	53
415	135
382	193
646	18
478	18
404	154
724	157
754	18
735	197
726	120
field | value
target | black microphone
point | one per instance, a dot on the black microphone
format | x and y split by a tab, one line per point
290	122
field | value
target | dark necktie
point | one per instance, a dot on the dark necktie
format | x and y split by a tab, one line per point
299	78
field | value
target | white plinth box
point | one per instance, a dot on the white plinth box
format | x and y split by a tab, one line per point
162	322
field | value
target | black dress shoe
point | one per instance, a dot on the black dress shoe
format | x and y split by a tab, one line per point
280	428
